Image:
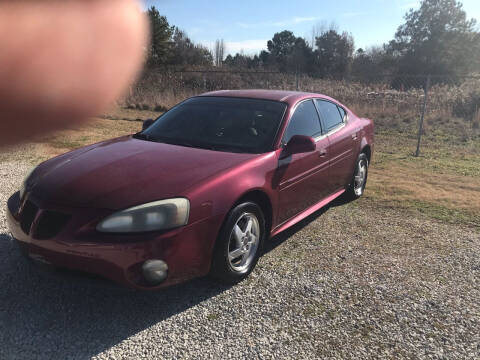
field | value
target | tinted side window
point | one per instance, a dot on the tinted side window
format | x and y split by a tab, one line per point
329	113
304	121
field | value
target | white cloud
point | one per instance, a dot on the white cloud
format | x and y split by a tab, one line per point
291	21
297	20
248	47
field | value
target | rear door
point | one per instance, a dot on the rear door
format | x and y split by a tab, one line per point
342	137
303	178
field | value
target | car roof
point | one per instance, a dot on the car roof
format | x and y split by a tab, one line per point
290	97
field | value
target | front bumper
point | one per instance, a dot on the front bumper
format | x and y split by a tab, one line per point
78	246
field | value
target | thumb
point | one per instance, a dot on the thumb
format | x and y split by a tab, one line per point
64	61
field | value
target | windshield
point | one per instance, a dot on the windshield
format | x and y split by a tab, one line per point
219	123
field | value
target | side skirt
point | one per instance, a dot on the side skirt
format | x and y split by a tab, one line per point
306	213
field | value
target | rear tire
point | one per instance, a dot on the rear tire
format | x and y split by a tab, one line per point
239	243
359	180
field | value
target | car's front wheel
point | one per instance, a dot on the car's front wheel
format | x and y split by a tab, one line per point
239	244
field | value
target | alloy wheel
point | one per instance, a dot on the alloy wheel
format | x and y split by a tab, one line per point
360	177
243	243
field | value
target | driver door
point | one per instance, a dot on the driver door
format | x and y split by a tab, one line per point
303	177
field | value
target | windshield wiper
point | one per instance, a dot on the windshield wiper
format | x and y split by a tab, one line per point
178	142
142	136
199	146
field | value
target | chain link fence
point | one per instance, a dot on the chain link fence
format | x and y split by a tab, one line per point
418	104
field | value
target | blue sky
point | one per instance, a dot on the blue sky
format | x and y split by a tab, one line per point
248	24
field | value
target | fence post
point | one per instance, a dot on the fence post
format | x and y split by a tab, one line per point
296	78
420	126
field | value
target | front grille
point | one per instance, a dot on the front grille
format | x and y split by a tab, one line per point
27	215
50	224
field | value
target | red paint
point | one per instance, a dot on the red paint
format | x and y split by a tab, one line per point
92	182
307	212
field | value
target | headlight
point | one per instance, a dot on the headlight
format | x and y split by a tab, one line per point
157	215
23	187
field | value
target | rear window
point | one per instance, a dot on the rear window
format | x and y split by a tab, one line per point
330	114
343	113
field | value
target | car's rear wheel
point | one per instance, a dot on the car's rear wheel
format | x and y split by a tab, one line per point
239	243
359	181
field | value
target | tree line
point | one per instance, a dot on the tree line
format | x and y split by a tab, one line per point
438	38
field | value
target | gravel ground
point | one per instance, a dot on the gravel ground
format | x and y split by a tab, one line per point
354	281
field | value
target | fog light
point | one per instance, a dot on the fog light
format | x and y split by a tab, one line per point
155	271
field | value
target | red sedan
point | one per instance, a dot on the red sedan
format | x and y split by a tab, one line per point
197	192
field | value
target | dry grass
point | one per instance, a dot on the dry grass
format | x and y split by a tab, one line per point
60	142
448	197
454	97
444	182
134	114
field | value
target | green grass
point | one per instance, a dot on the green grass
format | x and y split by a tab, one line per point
443	213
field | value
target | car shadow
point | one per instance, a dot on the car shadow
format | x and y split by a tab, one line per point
47	314
285	235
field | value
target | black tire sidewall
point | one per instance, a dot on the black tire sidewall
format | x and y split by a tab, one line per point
221	268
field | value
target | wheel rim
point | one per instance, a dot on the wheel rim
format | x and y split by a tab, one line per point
360	177
243	243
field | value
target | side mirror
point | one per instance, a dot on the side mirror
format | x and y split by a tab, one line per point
300	144
146	124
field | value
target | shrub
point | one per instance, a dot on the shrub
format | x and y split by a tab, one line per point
467	101
160	108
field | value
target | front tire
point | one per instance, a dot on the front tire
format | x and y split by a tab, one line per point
239	243
359	181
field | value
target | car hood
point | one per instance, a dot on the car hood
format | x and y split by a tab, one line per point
123	172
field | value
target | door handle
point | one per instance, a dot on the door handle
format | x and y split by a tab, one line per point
354	136
322	153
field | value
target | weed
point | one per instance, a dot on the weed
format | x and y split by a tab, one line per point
212	316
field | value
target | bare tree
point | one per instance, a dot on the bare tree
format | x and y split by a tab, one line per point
319	29
219	52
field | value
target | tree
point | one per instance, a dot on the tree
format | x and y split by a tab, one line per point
319	29
264	58
182	47
334	54
368	64
281	46
161	32
219	52
301	58
437	39
229	60
288	52
185	52
239	60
